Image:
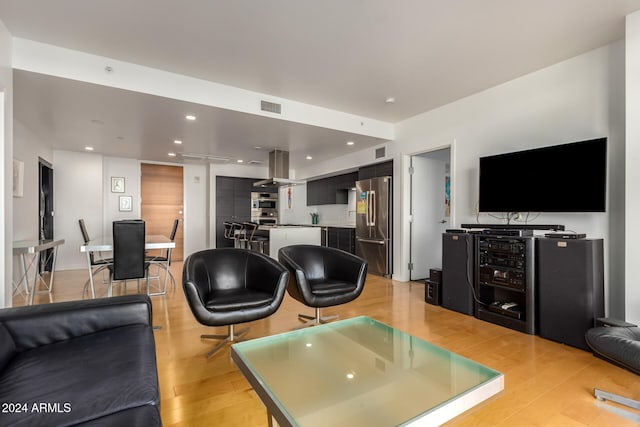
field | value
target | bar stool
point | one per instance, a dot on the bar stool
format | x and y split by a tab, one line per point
251	240
238	233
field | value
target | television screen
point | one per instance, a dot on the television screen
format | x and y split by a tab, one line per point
561	178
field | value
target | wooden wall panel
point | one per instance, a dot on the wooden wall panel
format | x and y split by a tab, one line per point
162	202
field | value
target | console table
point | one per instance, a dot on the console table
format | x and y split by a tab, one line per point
23	248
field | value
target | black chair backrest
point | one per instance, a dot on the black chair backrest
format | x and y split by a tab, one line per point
174	230
83	230
86	238
128	249
250	229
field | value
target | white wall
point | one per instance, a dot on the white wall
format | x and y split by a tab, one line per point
632	253
78	191
82	189
28	148
566	102
6	155
129	169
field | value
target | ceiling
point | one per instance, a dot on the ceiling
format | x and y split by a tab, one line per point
344	55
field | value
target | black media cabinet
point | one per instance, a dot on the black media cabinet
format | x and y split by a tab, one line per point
505	282
537	285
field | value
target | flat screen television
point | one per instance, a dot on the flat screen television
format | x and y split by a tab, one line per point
560	178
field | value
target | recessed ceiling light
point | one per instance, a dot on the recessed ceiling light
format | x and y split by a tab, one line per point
88	148
177	141
390	100
190	117
350	142
171	154
309	157
239	160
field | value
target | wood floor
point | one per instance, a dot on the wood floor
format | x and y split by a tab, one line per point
546	383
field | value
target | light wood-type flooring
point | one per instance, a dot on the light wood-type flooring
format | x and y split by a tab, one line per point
546	383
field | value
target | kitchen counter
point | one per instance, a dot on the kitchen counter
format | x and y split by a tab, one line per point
337	225
285	235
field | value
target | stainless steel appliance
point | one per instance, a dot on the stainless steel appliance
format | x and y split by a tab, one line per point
373	224
264	208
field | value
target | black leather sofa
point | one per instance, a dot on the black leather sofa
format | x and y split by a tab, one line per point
86	362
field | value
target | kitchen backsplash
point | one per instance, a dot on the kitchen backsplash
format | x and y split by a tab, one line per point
294	210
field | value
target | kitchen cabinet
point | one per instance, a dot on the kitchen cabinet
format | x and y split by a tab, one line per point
376	170
233	204
339	238
333	190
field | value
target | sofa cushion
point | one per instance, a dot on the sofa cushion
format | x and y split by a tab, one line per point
82	379
7	347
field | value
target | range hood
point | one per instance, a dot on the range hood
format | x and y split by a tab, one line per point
278	171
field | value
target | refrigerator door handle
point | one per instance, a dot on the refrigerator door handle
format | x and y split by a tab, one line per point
377	242
372	208
368	208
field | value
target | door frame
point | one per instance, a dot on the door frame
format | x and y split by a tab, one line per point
46	198
410	206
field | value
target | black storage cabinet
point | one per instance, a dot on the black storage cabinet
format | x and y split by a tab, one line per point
457	272
570	288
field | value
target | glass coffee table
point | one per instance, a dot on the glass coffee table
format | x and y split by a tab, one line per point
360	372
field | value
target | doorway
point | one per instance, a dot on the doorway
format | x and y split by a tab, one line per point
45	209
161	189
430	210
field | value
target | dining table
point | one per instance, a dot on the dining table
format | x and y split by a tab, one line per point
105	244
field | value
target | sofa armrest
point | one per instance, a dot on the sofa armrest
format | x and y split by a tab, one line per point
39	325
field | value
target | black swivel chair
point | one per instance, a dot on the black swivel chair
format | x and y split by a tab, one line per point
228	286
321	276
128	253
619	343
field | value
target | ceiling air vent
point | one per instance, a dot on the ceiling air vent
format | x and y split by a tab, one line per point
381	152
270	107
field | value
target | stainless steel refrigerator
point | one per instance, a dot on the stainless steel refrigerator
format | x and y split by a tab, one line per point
373	224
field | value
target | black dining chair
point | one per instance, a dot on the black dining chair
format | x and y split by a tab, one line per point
96	264
128	253
163	260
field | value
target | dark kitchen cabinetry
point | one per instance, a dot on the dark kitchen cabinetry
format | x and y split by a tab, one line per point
333	190
233	204
339	238
376	170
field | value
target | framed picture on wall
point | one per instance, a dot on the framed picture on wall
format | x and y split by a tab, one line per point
126	204
117	184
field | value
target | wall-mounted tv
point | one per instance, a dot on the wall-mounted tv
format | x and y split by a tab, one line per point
560	178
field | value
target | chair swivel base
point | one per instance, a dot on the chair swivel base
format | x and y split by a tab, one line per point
314	320
604	395
229	338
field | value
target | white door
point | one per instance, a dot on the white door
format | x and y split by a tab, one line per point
429	211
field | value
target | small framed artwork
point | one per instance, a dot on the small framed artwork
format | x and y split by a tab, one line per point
117	184
126	203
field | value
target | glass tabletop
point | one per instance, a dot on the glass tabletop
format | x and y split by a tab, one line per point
360	372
